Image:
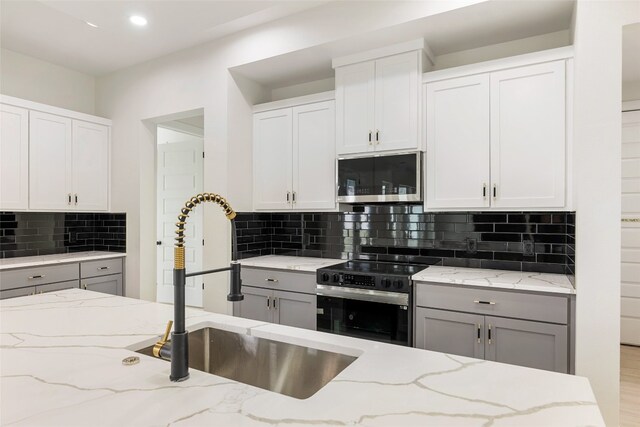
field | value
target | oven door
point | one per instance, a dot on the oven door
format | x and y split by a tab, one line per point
374	315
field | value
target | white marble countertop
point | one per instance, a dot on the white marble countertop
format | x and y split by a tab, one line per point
37	261
520	280
296	263
61	354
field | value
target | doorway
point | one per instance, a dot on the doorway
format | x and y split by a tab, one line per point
179	176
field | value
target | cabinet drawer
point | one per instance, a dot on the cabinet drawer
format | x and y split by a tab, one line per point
38	276
544	308
100	268
280	280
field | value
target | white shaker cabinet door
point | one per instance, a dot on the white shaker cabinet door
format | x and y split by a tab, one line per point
528	136
355	97
14	158
314	159
90	166
457	172
396	102
272	158
50	169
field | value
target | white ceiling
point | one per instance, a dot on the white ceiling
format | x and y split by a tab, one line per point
481	24
56	31
631	53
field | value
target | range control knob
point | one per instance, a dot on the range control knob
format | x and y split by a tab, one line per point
386	283
325	277
336	278
397	284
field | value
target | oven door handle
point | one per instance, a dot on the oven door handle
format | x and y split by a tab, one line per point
394	298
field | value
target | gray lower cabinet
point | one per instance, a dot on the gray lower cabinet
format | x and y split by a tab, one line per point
450	332
276	296
53	287
537	338
526	343
256	304
19	292
111	284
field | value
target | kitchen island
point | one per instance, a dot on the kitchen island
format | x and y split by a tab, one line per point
61	364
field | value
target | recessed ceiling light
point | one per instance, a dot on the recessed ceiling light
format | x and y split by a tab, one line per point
138	20
91	24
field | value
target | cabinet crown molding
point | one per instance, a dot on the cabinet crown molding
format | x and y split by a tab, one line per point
560	53
36	106
417	44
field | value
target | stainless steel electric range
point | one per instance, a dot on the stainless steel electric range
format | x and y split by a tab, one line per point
367	299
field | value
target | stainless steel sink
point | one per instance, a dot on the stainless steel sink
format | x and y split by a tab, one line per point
288	369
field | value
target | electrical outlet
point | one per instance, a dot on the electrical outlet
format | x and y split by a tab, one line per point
472	245
528	249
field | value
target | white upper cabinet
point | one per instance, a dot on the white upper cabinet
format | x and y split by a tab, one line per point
90	152
294	157
396	106
457	171
377	104
497	139
355	95
52	159
50	172
14	158
272	157
528	136
314	156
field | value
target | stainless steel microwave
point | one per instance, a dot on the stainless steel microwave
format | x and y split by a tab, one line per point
380	178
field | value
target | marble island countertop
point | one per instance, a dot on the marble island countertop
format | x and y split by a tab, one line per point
519	280
38	261
61	359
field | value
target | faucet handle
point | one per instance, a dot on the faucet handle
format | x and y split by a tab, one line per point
158	346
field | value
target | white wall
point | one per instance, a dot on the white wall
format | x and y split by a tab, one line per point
596	161
198	78
631	90
29	78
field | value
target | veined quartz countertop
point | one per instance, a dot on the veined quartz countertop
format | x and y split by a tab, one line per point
37	261
296	263
61	358
519	280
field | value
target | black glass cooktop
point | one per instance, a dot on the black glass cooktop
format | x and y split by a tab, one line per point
375	267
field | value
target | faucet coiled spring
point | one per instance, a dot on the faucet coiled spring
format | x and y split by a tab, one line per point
188	207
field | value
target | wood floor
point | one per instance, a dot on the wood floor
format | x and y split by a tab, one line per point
629	386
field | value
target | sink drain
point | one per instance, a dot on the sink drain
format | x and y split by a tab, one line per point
132	360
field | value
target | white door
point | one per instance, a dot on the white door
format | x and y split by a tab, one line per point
314	159
528	136
396	102
14	157
179	177
355	96
50	162
90	166
272	157
630	269
457	172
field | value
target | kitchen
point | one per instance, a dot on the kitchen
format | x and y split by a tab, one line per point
261	70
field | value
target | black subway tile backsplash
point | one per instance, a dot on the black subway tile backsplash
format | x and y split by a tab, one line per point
46	233
404	233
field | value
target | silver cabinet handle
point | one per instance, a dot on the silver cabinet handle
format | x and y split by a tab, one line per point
484	302
495	191
377	136
293	197
84	286
489	334
274	304
37	276
288	196
370	141
479	332
103	268
76	197
484	190
69	199
270	280
268	303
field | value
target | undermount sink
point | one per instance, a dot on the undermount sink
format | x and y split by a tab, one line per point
288	369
